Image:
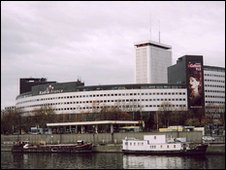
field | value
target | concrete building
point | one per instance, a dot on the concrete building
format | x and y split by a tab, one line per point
10	108
75	98
189	71
212	79
152	60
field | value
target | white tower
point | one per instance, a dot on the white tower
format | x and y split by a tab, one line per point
152	60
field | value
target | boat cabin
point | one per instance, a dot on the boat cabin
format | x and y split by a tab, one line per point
152	142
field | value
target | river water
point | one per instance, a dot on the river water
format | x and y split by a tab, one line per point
107	161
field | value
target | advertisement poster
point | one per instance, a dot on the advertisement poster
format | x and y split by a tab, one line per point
195	85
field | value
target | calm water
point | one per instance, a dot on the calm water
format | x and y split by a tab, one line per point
108	161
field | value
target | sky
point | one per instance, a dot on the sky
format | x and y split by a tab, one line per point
94	41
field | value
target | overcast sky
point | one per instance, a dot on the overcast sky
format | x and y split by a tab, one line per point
94	41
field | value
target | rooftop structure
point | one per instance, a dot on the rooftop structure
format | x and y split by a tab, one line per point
152	60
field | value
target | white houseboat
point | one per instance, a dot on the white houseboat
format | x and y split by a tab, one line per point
159	144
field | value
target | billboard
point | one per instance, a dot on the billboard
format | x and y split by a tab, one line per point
195	84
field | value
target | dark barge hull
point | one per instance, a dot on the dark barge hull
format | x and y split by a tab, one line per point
53	148
198	150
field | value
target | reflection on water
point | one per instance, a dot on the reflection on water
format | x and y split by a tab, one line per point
163	162
107	161
173	162
60	161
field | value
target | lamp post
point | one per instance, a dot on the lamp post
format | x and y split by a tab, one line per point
93	134
51	139
19	124
157	121
18	134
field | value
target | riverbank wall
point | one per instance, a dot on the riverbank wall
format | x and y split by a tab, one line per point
104	142
117	148
96	138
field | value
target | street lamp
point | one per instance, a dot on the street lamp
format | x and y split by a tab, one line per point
51	139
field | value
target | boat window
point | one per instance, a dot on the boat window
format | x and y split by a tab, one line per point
174	146
160	146
167	146
154	137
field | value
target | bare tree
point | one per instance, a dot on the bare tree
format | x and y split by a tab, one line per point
166	109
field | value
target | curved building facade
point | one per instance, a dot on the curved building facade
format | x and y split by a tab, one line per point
75	98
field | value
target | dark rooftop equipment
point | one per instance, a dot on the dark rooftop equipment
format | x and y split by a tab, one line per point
27	83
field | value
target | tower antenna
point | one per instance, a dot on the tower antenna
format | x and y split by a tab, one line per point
159	31
150	27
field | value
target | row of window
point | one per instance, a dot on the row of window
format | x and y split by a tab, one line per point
210	85
216	107
120	107
210	96
141	144
215	91
102	95
221	81
214	75
101	107
214	102
116	101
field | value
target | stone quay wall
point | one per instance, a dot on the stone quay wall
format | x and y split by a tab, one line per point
100	138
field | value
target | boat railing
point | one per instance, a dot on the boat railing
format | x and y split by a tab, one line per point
22	142
176	140
130	138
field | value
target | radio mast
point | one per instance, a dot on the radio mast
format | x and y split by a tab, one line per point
159	31
150	27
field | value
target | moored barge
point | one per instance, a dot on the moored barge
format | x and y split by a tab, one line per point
79	147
